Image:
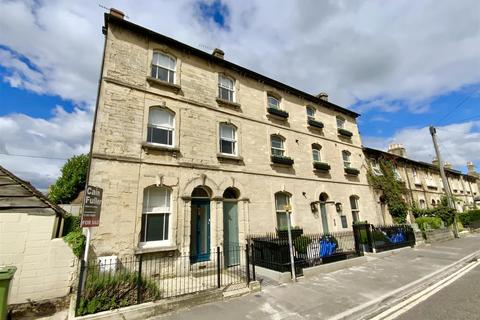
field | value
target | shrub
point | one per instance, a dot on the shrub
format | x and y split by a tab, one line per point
105	292
73	235
467	218
443	212
425	223
301	244
76	240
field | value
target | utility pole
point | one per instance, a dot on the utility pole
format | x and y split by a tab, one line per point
446	186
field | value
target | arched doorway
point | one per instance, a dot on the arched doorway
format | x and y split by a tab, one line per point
230	227
200	225
323	212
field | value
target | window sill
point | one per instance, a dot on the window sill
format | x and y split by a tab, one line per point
227	103
153	146
140	250
222	156
164	84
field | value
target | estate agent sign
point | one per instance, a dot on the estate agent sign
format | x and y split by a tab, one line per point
92	207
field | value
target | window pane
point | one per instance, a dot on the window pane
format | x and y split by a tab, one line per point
281	199
227	132
226	147
156	199
171	76
156	227
160	117
164	61
277	142
278	152
316	155
340	123
161	136
161	74
273	102
282	222
353	203
346	156
225	82
225	94
310	112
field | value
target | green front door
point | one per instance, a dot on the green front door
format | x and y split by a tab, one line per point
231	246
200	231
323	216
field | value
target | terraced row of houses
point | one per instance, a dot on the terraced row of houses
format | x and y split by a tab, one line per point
194	152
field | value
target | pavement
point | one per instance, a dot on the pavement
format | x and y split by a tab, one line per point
342	294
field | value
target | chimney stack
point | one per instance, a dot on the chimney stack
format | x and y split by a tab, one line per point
397	149
117	13
471	167
218	53
447	165
323	96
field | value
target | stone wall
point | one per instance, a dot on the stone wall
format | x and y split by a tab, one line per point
45	266
439	235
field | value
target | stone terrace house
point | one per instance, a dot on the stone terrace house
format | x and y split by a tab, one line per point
194	152
423	180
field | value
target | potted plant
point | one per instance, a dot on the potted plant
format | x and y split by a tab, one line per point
278	112
352	171
345	133
282	160
301	245
315	123
323	166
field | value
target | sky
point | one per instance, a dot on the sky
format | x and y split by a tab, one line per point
404	65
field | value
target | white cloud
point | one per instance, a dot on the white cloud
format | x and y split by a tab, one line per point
459	143
63	135
392	57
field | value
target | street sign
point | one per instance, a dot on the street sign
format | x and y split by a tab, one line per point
92	207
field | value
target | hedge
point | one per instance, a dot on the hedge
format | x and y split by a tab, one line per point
469	217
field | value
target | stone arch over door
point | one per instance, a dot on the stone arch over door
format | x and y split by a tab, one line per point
202	180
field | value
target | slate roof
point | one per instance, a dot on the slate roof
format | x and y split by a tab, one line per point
17	195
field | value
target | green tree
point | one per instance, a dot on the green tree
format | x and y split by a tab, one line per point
72	180
393	190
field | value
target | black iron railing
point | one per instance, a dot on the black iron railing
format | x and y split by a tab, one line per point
272	252
377	238
113	282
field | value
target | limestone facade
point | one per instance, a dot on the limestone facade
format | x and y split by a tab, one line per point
124	164
424	183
